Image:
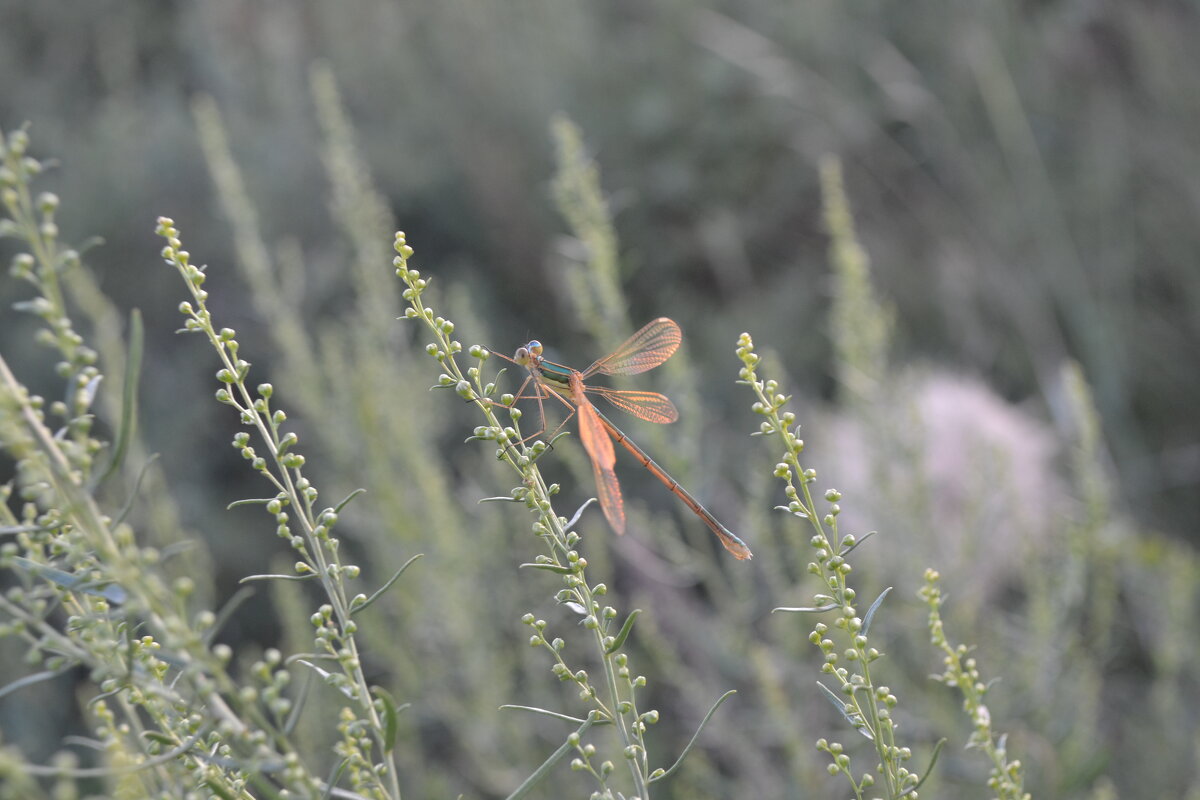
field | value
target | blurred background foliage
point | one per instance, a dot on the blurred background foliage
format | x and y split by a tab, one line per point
1025	178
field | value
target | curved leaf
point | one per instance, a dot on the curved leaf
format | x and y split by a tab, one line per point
937	750
579	513
624	632
338	508
871	611
851	548
379	592
36	677
695	736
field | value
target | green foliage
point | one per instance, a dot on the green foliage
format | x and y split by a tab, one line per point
614	700
962	673
434	676
865	704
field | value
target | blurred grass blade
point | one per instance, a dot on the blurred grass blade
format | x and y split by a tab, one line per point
60	771
133	370
871	611
289	725
110	592
695	736
231	605
12	529
379	592
36	677
133	493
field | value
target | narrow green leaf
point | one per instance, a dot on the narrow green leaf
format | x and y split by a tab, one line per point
249	501
325	675
840	705
579	513
695	736
304	577
289	724
503	499
810	610
624	632
542	771
219	790
555	568
36	677
231	605
799	514
852	547
106	772
335	775
104	696
158	736
133	370
338	508
871	611
137	486
89	243
379	592
13	529
178	548
390	714
543	712
937	751
296	657
110	591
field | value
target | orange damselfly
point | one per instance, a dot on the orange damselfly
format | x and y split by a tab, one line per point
645	350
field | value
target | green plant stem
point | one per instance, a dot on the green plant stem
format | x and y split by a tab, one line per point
536	493
286	479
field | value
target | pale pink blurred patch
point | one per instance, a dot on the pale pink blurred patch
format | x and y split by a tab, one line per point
951	476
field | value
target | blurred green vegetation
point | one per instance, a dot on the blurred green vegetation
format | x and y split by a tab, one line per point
1024	177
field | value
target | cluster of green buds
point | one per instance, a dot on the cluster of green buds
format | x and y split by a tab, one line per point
962	672
867	707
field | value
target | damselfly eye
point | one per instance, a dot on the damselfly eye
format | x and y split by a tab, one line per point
521	356
535	347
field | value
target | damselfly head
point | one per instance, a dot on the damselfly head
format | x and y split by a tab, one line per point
529	354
